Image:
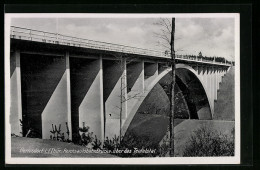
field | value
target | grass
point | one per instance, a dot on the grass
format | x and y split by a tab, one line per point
151	127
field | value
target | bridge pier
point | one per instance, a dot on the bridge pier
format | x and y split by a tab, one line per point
215	84
200	70
221	74
87	95
218	77
15	93
58	109
115	95
135	83
150	73
211	89
40	92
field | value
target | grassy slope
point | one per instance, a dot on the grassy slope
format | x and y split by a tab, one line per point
224	106
150	127
35	143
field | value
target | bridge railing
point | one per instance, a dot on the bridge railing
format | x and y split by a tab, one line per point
55	38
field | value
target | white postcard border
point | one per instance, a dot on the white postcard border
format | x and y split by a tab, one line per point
164	160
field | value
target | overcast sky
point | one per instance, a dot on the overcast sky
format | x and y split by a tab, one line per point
211	36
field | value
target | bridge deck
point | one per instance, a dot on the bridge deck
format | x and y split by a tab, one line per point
55	38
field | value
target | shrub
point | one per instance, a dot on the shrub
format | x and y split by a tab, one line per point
130	142
96	144
208	142
56	133
83	136
111	144
164	147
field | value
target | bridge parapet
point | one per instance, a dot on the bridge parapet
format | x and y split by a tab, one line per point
56	38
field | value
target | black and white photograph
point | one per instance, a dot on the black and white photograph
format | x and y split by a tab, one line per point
122	88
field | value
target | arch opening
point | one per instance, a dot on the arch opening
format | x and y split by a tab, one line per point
150	123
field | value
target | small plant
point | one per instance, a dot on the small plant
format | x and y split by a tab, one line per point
57	135
83	136
55	132
68	131
96	144
111	144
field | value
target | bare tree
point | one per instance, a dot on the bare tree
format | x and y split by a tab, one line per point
122	60
167	35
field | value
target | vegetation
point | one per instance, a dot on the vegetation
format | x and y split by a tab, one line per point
57	135
208	142
84	137
96	144
130	144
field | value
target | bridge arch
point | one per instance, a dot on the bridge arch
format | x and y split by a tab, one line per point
179	68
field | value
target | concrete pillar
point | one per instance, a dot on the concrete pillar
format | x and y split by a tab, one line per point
204	75
150	73
212	88
58	109
201	73
115	90
229	68
87	95
135	83
16	94
208	81
218	77
209	84
221	74
68	94
215	84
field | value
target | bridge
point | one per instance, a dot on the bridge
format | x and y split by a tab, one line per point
72	82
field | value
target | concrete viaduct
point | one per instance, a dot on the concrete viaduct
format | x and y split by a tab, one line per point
57	79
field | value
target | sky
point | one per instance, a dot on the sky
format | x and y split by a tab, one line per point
211	36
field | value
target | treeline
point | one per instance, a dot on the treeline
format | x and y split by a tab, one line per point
205	58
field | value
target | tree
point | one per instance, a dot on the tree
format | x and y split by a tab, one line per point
200	54
167	35
172	90
122	60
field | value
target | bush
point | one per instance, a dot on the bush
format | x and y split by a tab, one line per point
131	143
56	133
83	136
208	142
96	144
